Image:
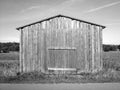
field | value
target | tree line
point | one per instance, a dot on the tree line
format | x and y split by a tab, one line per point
13	46
107	48
10	46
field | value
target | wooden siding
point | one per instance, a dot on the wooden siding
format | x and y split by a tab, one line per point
61	43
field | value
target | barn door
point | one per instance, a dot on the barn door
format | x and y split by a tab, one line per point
62	58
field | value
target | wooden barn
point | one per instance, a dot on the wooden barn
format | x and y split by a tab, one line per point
61	45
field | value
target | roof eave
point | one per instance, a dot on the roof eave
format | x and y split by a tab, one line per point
60	16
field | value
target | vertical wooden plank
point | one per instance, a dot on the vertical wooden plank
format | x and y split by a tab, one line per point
89	53
35	49
49	45
89	46
82	46
94	48
101	49
95	44
90	27
38	47
93	63
43	50
24	51
98	48
75	44
64	43
41	44
30	47
21	51
28	50
85	38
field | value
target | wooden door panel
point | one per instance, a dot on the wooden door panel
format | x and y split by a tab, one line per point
62	58
56	59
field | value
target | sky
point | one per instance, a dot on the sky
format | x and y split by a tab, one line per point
16	13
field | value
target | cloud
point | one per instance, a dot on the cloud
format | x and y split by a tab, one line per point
65	4
30	8
102	7
44	6
41	7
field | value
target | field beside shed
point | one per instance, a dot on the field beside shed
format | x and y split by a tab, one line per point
111	60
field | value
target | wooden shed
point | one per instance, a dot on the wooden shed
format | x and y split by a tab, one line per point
61	44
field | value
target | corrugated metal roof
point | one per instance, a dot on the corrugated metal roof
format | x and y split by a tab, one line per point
60	16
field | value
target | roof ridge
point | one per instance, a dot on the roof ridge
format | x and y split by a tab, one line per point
60	15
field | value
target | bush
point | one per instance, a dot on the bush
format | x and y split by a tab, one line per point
110	48
10	46
36	75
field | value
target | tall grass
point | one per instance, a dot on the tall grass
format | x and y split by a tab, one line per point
9	68
111	60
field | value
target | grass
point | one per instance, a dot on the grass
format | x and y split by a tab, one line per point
37	77
9	72
9	56
8	68
111	60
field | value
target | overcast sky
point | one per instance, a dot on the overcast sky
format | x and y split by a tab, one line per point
15	13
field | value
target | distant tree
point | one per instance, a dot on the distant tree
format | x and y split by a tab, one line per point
0	47
119	47
6	47
110	48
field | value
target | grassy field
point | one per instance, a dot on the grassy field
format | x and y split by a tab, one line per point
9	56
9	71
